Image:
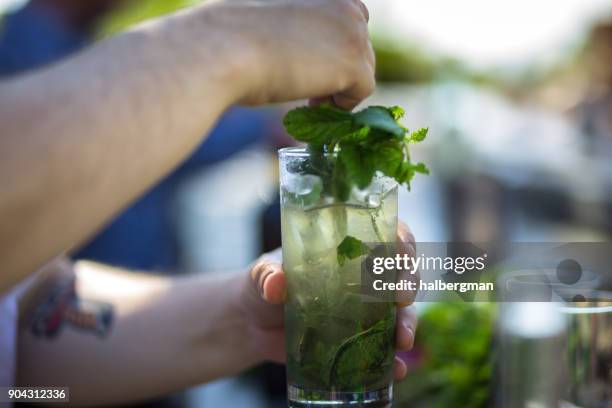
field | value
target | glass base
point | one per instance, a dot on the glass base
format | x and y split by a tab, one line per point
301	398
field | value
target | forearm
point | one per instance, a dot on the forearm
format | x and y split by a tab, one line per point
166	335
83	138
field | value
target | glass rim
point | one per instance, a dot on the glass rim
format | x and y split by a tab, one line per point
296	151
532	277
600	301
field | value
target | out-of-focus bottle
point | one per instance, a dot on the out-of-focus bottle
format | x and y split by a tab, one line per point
531	337
589	350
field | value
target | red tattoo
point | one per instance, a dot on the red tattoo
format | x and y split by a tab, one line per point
62	306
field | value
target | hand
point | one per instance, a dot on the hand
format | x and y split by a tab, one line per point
296	49
264	293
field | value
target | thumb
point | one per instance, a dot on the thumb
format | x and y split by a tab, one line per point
269	280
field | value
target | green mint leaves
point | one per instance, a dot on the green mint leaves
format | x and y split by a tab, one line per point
365	142
418	136
351	248
317	126
382	120
348	149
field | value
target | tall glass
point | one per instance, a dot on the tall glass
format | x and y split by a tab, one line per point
340	348
589	349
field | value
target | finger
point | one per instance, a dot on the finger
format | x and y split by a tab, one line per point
371	56
399	369
408	276
407	247
406	328
404	235
275	288
320	101
359	91
269	280
364	9
407	297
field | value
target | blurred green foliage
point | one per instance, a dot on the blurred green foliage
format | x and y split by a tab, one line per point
402	63
454	345
136	11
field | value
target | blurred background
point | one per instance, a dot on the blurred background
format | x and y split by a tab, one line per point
518	98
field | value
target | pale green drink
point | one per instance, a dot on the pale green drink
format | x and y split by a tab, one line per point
340	348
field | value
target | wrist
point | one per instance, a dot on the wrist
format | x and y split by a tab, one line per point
211	337
242	54
206	61
229	330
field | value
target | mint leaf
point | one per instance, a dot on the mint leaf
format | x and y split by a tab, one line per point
358	135
382	119
318	125
351	248
418	136
358	160
389	157
397	112
421	168
364	356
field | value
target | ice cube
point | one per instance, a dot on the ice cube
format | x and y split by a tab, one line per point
294	221
373	200
301	184
320	235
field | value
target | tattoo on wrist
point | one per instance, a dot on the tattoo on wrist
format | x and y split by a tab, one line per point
62	307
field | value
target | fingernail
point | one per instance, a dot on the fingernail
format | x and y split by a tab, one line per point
410	331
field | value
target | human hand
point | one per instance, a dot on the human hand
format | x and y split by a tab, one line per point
264	293
296	49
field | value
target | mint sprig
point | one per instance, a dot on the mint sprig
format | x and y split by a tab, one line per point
351	248
348	149
364	143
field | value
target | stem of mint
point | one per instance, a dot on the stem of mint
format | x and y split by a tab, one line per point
340	220
375	227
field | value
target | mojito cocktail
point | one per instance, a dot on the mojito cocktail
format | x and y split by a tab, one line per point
340	348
